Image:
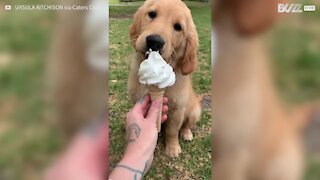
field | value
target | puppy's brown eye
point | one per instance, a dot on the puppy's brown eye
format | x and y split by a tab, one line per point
152	14
177	27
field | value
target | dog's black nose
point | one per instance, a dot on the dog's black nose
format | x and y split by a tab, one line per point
154	42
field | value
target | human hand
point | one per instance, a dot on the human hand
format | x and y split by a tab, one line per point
142	133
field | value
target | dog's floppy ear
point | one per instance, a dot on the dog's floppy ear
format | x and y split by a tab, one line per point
136	26
253	16
189	62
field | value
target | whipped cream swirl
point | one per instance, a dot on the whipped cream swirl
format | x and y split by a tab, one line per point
156	71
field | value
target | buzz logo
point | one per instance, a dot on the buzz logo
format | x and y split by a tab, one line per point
289	8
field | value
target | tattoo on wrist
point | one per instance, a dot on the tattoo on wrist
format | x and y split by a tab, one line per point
145	168
133	132
136	173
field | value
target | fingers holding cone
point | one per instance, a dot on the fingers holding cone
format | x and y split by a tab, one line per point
165	109
157	109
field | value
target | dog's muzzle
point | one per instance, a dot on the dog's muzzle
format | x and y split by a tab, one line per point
154	42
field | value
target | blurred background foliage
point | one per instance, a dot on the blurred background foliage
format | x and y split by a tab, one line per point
295	49
27	140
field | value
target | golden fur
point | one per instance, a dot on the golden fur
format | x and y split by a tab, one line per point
180	51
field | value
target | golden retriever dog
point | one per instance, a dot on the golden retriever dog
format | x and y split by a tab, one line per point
167	26
255	137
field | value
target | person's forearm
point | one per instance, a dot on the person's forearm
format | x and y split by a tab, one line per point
129	168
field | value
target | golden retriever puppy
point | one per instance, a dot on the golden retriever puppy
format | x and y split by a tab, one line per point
167	26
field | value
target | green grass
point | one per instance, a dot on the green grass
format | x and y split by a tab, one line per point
114	1
297	63
195	160
26	139
313	169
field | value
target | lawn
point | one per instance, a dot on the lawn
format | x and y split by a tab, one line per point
195	160
114	2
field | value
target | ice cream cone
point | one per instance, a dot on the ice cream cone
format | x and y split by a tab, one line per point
157	93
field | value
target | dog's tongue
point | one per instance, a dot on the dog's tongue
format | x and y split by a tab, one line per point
156	71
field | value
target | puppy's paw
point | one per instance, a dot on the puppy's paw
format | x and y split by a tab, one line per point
187	134
173	150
